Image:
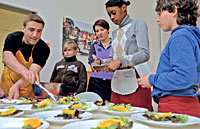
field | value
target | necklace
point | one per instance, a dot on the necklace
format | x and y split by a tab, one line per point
106	43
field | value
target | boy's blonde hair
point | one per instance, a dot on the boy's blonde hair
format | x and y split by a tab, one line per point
67	44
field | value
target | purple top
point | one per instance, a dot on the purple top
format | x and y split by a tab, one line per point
101	53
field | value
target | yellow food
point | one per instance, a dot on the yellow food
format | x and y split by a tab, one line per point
120	108
8	112
109	122
23	99
33	122
76	106
62	101
75	99
99	103
163	115
67	111
44	102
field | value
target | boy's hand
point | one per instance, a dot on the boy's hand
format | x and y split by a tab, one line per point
13	92
144	81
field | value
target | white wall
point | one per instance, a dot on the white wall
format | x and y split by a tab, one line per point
88	11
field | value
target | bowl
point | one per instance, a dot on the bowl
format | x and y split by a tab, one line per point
52	87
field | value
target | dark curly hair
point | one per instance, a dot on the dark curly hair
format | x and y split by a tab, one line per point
187	10
118	3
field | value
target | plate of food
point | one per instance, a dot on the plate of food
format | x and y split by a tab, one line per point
69	100
13	101
166	119
63	116
27	100
19	123
111	122
31	108
122	109
84	106
13	112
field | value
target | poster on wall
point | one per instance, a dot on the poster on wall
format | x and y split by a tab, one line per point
82	34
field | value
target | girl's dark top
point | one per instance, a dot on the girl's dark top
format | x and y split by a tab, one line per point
72	73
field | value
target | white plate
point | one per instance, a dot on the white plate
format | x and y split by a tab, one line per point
133	111
13	101
61	106
4	105
17	123
27	108
49	116
191	120
18	114
93	123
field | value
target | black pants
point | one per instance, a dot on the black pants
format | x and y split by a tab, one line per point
101	87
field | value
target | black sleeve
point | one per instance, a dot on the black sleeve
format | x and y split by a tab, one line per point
82	79
13	42
54	74
41	53
92	51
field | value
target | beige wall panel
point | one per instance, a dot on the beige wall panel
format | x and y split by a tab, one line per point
11	20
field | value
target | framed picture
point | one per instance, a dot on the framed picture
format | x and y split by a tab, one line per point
82	34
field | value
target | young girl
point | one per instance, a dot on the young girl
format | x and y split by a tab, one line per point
69	71
100	82
129	48
175	84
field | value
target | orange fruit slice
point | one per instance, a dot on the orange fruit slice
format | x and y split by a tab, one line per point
33	122
162	115
109	122
76	106
8	112
99	103
67	111
120	108
75	99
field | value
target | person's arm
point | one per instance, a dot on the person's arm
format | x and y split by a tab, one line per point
12	63
183	71
53	75
82	79
91	53
14	90
36	69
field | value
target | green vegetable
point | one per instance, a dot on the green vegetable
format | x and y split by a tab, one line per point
10	107
183	118
27	127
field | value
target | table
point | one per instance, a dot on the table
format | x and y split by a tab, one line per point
103	115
